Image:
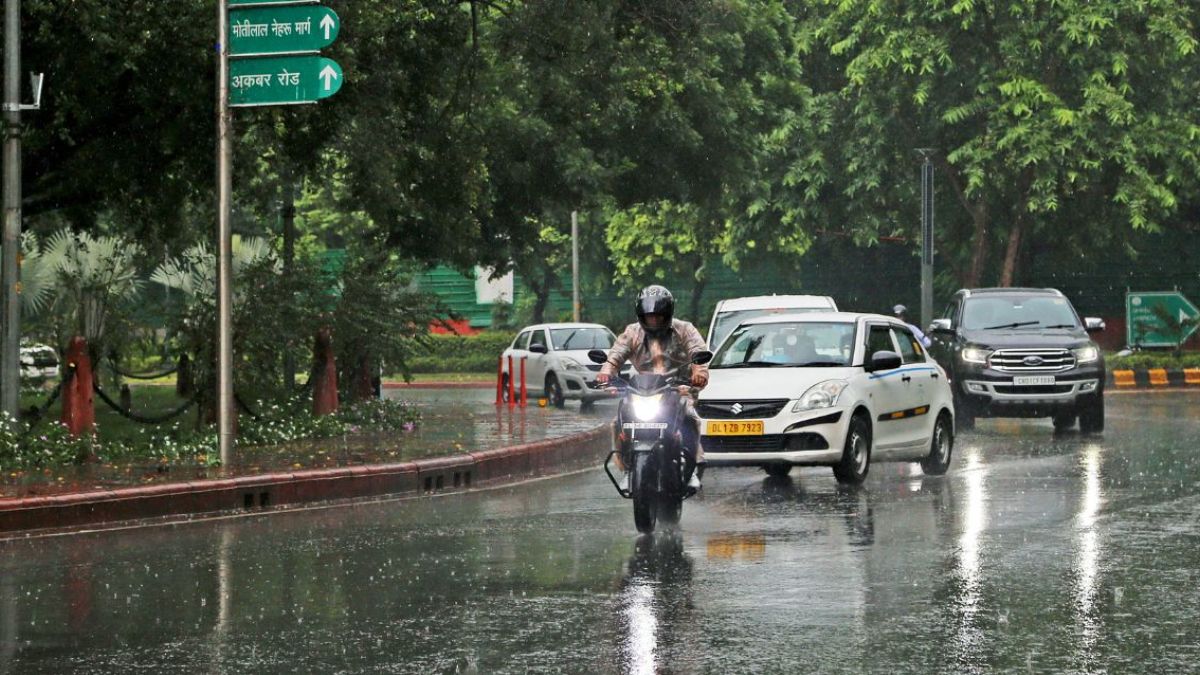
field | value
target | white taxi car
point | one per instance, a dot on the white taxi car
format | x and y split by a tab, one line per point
827	389
556	361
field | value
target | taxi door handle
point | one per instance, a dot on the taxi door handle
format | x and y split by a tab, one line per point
934	376
905	378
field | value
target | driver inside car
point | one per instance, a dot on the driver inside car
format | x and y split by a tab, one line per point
660	343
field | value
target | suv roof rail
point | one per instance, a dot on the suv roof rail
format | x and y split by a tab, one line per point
1015	289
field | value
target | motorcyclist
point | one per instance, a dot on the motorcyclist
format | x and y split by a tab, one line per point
659	343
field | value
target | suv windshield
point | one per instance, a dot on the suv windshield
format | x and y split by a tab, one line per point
1018	311
580	338
727	321
793	344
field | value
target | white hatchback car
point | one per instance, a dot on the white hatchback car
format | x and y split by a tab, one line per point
557	365
827	389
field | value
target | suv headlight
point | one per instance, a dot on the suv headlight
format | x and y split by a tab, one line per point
1086	354
974	354
822	395
569	363
646	408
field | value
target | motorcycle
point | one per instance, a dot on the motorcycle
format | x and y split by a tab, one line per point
651	416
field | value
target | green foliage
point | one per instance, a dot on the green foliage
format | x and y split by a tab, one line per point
1145	359
80	284
51	445
1069	122
462	353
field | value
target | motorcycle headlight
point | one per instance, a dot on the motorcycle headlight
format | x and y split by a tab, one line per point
974	355
646	408
821	395
1086	354
571	364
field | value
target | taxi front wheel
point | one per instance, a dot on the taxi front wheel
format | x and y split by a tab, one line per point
856	455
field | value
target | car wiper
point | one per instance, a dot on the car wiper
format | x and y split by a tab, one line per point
1063	325
818	364
568	340
1018	324
753	364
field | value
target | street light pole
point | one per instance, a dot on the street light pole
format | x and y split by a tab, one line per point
10	351
575	266
225	438
926	237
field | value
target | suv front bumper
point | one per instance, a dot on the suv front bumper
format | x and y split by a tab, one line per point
992	392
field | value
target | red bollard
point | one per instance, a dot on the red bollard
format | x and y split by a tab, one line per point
512	391
500	380
78	410
523	399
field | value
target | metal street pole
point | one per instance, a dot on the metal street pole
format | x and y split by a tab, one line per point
10	351
926	238
575	265
224	336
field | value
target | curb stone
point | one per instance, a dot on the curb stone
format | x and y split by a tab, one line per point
1148	378
112	507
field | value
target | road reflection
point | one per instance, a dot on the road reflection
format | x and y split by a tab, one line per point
655	599
970	573
1088	555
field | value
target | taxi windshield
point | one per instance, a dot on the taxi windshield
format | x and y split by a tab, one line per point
787	344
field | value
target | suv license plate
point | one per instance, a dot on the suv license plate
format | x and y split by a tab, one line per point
751	428
1033	380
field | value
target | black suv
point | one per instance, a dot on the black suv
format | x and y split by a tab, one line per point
1020	352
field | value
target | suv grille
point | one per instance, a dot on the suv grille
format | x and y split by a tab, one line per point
724	410
1032	360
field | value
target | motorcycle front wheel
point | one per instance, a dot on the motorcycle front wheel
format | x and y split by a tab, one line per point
644	490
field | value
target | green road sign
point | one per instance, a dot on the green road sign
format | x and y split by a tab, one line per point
281	30
1159	319
282	80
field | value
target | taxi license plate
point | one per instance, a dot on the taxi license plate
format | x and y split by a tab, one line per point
1033	380
740	428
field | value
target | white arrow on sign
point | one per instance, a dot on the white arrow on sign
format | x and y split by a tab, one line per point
329	75
327	24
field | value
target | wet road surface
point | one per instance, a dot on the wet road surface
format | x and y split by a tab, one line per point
1036	553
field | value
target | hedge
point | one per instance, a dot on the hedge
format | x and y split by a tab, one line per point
1142	360
462	353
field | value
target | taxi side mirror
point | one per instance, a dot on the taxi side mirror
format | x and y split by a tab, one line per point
883	360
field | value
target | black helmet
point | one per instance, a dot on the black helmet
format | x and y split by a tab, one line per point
655	300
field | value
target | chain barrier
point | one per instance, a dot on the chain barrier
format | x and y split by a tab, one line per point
37	413
134	376
142	419
245	408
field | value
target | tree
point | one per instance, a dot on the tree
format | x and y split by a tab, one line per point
1074	120
664	239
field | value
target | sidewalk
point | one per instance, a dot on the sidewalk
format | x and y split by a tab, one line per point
463	440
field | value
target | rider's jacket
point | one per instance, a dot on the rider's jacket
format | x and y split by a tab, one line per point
655	355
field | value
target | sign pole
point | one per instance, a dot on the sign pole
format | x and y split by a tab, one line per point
926	239
224	245
575	266
10	352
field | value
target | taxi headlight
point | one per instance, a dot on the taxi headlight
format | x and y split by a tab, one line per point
571	364
646	408
974	355
822	395
1086	354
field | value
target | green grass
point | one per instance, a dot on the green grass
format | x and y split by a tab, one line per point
150	400
446	377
